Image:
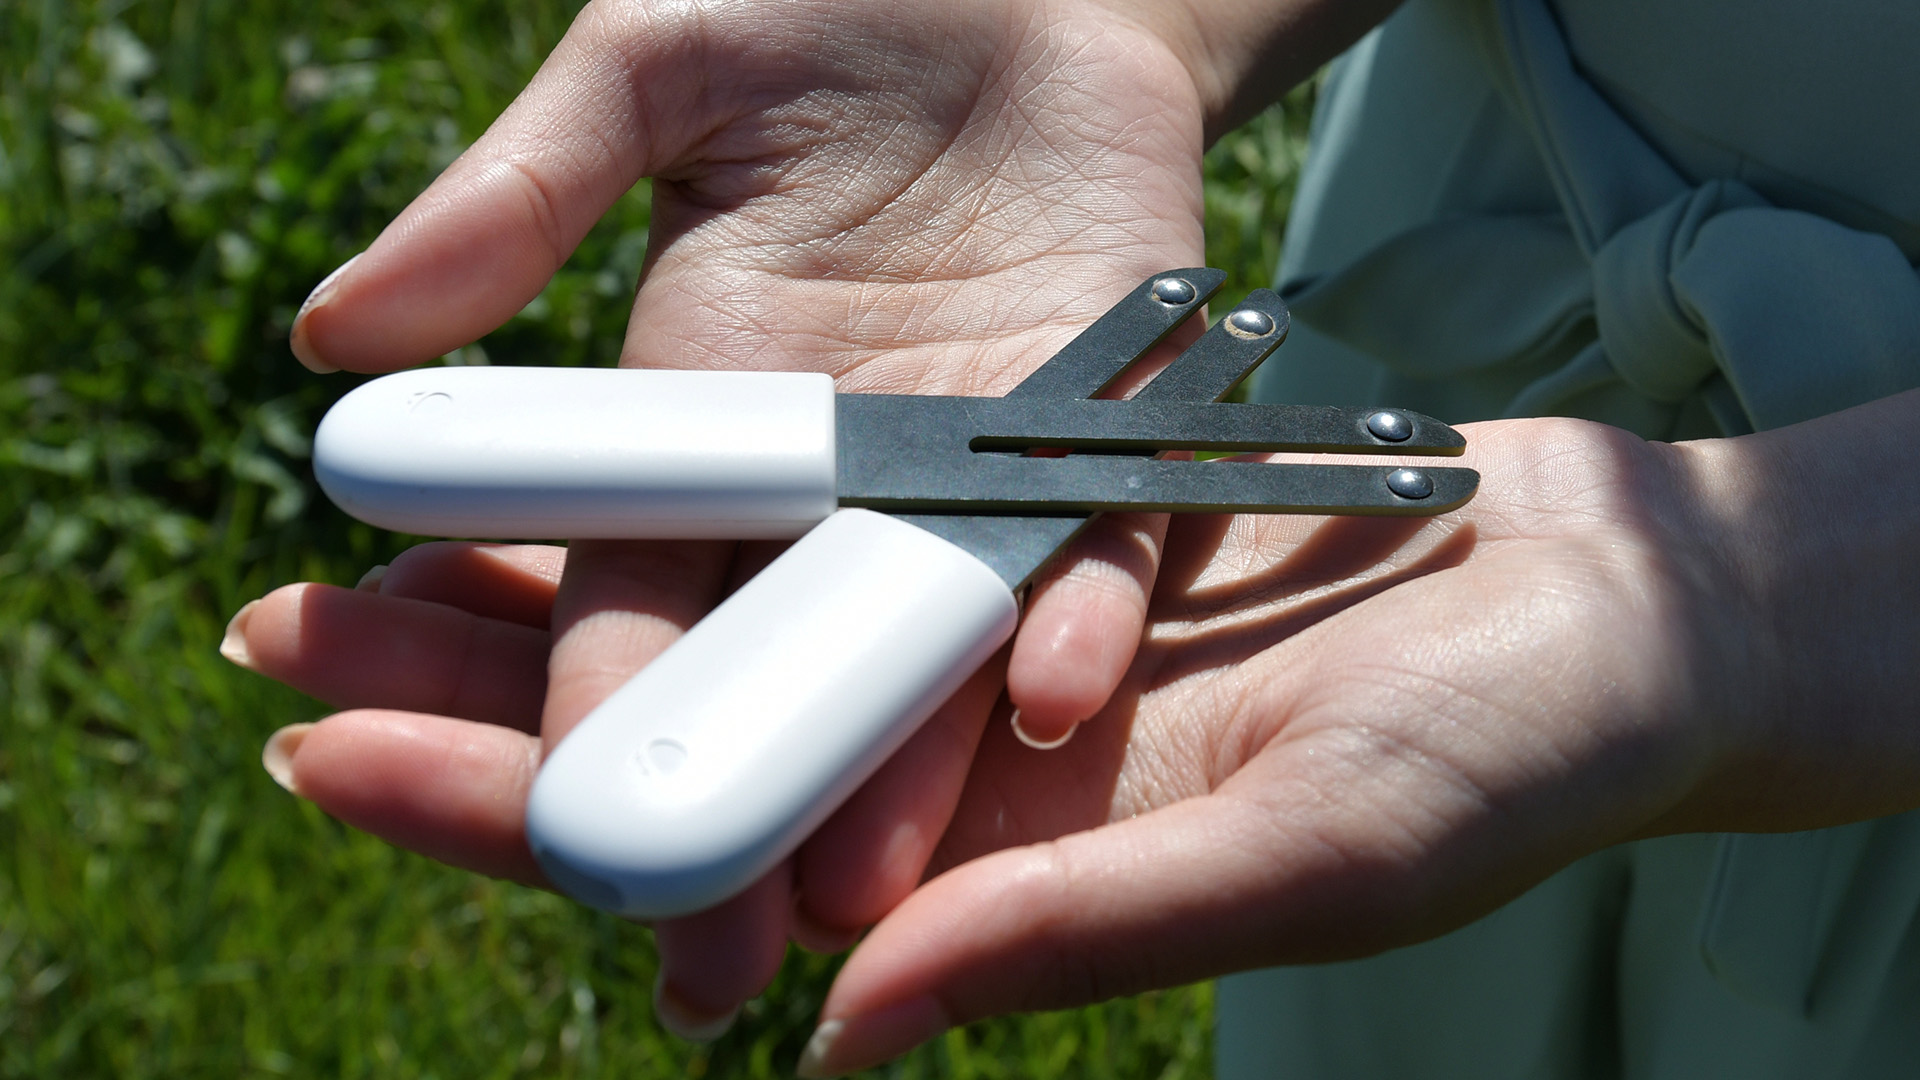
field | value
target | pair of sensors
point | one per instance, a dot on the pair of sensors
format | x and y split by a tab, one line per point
918	518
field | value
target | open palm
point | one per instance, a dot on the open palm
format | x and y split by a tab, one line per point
1338	736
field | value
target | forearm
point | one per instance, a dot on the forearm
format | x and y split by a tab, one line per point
1817	528
1244	54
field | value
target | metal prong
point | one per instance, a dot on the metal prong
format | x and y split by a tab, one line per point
1118	338
1214	365
1085	483
918	429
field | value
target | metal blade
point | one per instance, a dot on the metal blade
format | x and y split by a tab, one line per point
878	431
909	456
1124	334
930	454
1090	483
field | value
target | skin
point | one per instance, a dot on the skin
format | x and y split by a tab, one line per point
1315	738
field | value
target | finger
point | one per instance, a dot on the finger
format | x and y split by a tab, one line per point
357	649
753	557
449	789
1082	625
873	851
1196	889
1021	929
619	605
712	962
510	582
1086	611
482	241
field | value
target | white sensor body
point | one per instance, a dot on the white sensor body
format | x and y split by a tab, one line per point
583	453
719	758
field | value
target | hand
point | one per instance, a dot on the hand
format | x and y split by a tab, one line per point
1341	736
910	198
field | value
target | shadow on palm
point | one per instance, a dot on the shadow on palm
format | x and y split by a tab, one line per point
1383	728
1230	589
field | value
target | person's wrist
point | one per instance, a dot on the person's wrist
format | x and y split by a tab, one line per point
1813	604
1721	554
1244	54
1180	28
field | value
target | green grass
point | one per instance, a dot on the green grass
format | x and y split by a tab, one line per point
174	175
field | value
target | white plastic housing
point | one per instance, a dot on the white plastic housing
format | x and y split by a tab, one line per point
583	453
716	760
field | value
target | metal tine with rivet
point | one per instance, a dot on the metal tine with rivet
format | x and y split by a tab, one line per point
898	453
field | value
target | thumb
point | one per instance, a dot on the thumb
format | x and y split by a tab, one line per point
1186	892
487	235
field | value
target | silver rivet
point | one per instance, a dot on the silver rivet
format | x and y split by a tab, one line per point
1173	290
1410	483
1389	426
1250	322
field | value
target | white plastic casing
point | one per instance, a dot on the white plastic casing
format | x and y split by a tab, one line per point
583	453
715	761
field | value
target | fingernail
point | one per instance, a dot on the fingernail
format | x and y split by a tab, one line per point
840	1046
813	1060
298	341
1039	744
277	756
683	1020
233	645
370	581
